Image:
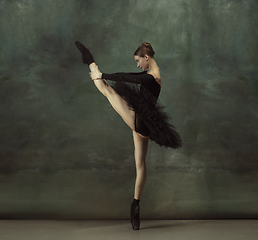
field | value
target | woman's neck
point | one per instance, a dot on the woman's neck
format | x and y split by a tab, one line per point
152	65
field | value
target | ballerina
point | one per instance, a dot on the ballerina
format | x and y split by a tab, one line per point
139	110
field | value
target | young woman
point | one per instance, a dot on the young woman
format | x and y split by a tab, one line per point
139	109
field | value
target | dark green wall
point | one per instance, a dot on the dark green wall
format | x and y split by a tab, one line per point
65	153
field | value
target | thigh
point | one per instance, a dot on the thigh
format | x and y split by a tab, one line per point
141	128
121	107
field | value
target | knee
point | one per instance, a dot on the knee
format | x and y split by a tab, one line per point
140	166
107	92
102	87
104	91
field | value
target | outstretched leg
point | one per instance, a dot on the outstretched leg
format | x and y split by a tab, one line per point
117	102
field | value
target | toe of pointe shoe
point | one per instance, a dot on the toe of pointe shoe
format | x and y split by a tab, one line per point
135	226
135	220
79	45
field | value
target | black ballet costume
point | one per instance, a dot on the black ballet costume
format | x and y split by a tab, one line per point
150	119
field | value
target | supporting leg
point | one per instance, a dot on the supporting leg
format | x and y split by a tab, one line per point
141	146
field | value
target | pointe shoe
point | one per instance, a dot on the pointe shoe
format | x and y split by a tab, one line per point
135	217
86	55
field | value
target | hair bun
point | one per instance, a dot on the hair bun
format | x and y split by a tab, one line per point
145	48
145	44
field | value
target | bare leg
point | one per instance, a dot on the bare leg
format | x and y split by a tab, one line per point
140	142
93	66
141	146
117	102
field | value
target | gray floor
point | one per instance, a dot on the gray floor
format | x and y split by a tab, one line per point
121	229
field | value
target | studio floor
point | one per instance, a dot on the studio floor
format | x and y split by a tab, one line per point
121	229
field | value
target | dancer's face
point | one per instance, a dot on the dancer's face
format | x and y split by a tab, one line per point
142	62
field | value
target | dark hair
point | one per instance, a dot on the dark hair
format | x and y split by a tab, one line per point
145	48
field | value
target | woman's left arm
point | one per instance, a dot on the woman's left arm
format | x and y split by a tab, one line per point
137	78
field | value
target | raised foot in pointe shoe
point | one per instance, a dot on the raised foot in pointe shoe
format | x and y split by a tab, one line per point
86	55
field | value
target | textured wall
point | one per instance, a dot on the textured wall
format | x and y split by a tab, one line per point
65	153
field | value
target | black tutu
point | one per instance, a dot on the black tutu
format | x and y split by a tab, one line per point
151	113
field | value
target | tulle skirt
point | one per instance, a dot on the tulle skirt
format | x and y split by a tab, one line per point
151	113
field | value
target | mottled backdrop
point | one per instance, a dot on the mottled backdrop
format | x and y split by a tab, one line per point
65	153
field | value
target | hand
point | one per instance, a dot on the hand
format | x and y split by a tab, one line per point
96	74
